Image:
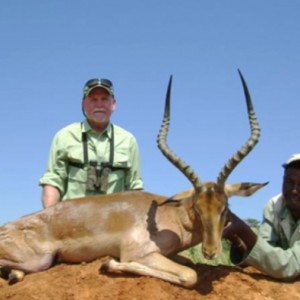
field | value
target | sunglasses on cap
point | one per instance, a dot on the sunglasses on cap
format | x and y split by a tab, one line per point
92	83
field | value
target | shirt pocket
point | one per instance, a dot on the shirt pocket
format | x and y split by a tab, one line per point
121	165
77	171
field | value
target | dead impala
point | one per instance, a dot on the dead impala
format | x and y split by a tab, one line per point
141	229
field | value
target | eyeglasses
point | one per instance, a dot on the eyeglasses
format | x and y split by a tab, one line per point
94	82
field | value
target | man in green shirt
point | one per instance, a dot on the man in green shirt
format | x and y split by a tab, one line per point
276	248
94	156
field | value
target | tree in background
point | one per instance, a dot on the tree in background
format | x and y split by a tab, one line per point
253	223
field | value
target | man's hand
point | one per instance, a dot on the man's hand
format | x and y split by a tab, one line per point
239	233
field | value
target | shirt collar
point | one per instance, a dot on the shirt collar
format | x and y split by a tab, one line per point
86	127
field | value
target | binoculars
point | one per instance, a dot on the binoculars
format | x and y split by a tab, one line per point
97	176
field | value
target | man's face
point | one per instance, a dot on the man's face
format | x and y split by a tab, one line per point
98	106
291	190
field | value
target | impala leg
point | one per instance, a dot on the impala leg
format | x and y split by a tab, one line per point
182	260
14	271
155	265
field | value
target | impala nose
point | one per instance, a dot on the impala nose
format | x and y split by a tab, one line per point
210	252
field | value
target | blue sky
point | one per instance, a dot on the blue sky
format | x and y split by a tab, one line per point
50	48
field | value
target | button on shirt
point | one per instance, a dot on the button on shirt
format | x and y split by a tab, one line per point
67	151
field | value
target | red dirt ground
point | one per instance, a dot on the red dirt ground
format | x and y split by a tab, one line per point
83	282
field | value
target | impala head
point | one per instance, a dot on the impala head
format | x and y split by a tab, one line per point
210	199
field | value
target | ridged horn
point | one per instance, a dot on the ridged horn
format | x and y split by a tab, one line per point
252	141
167	152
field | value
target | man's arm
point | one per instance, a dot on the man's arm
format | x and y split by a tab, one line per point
247	248
54	179
50	196
133	179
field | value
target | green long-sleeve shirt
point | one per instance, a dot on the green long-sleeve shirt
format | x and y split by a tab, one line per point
67	149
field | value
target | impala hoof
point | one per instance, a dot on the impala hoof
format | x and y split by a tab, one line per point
13	279
104	268
15	276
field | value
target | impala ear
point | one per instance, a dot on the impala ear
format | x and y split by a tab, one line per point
180	198
243	189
